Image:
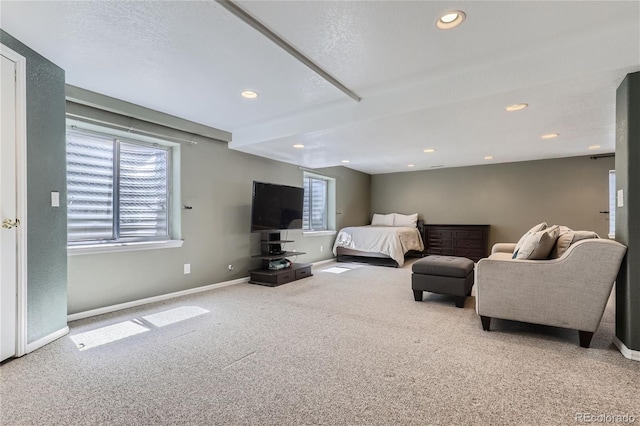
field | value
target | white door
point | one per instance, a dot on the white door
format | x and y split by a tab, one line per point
8	232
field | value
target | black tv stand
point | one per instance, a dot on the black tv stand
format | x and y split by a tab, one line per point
271	249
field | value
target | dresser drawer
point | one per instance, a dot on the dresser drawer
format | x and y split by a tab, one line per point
443	251
440	243
470	253
477	244
439	234
468	235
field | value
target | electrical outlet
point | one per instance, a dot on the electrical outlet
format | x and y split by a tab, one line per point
321	249
187	268
230	267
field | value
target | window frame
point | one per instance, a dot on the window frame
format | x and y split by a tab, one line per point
172	238
612	204
329	207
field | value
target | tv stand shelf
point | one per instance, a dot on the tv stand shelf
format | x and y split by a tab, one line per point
277	242
270	278
271	250
278	256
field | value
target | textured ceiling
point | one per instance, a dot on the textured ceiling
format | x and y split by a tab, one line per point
420	87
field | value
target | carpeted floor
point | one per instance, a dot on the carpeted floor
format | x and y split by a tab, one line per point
334	349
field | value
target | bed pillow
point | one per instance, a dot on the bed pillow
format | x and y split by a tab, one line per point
539	244
382	219
537	228
410	220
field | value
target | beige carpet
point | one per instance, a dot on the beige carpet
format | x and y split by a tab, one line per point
334	349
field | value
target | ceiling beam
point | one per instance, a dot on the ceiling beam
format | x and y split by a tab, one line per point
264	30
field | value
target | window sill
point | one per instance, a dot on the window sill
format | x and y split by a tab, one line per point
118	247
317	233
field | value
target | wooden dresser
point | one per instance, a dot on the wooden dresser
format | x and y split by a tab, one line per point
470	241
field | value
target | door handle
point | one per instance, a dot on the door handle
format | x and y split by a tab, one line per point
8	223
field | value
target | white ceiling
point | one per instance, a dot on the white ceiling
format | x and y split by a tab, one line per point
421	87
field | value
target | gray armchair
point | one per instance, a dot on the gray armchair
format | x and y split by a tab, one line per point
570	291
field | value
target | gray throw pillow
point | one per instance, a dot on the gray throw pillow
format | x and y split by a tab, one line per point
538	245
537	228
562	244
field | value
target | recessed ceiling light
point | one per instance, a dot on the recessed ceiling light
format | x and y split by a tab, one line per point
249	94
410	165
594	147
516	107
450	19
488	157
429	150
550	136
298	145
346	161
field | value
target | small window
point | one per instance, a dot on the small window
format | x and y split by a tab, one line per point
319	203
118	190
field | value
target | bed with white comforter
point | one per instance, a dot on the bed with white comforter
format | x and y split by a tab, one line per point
391	241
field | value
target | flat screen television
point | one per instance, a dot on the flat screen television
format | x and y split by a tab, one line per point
276	207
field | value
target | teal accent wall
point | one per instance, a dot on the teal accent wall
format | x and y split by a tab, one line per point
46	172
628	216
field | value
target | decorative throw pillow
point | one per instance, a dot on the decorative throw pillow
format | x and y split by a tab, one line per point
539	244
537	228
410	220
562	243
382	219
565	240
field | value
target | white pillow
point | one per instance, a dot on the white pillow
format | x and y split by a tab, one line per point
382	219
410	220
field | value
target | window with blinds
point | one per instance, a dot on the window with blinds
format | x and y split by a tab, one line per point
117	190
314	216
612	203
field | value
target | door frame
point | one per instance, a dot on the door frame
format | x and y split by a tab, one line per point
21	196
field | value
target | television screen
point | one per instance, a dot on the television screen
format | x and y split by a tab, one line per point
276	207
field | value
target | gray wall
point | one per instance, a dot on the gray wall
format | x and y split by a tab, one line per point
46	172
217	183
627	230
511	197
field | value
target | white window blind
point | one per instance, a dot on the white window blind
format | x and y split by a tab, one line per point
117	190
314	216
612	203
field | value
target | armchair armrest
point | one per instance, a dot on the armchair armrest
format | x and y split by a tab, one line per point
503	248
570	292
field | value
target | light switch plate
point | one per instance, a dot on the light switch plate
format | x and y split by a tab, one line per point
55	199
620	198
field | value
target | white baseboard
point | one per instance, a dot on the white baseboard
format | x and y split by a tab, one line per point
625	351
47	339
134	303
322	262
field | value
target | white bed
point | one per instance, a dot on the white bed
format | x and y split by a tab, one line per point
382	239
